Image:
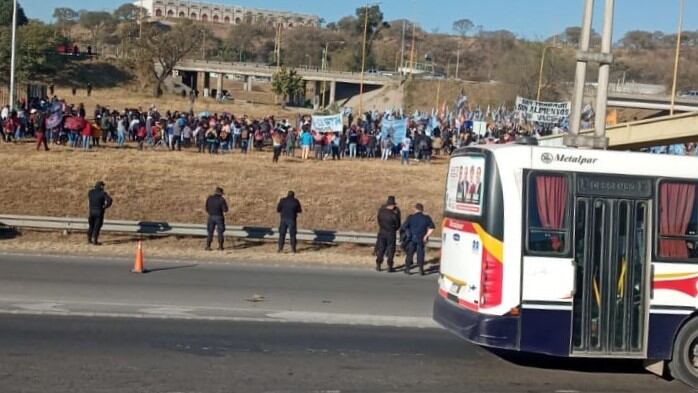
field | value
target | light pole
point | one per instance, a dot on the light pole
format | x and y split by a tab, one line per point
363	63
540	72
676	59
14	50
324	65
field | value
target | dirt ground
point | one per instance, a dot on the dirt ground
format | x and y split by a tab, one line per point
172	186
191	249
127	97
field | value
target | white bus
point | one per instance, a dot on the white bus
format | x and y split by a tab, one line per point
578	253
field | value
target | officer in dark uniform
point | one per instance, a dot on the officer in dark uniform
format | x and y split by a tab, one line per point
288	209
99	201
418	228
216	207
388	225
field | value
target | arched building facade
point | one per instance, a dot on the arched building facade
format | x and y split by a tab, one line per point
227	14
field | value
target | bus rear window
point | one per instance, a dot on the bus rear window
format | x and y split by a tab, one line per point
548	212
465	186
678	221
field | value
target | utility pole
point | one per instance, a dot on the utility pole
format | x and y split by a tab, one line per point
14	54
140	20
414	30
677	56
363	63
457	59
402	46
203	46
278	46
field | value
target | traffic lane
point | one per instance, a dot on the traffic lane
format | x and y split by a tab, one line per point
187	284
61	354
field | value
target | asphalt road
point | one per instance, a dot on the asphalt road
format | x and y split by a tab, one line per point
88	325
69	354
105	287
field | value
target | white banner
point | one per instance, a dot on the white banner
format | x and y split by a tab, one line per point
332	123
480	128
543	112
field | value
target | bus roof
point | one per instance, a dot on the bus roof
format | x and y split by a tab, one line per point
592	161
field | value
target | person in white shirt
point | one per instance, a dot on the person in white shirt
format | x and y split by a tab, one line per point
405	150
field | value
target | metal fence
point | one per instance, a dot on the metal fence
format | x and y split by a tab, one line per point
155	228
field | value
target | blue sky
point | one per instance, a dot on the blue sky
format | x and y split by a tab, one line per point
533	19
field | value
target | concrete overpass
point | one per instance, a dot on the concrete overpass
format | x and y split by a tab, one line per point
644	133
653	102
190	69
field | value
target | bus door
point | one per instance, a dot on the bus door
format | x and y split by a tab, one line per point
610	298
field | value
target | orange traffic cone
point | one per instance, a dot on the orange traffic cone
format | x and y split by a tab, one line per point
138	263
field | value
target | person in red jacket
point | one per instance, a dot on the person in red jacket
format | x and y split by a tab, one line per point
86	135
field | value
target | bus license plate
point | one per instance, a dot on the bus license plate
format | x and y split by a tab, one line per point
455	288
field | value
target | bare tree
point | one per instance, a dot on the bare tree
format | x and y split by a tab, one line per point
161	48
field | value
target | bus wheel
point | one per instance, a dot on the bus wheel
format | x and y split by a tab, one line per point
684	362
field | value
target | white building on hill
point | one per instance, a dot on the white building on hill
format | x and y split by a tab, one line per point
221	13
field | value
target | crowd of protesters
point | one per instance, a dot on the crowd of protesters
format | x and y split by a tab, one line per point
54	122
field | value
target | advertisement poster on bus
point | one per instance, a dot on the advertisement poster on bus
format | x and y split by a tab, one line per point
464	190
323	124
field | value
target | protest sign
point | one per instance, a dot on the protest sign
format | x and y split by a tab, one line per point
543	112
332	123
480	128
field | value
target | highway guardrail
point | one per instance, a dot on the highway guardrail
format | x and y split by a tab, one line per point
160	228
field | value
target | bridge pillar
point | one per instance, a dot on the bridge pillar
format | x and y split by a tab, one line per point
333	92
207	83
219	86
316	99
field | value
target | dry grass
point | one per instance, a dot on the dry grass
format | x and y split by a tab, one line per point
173	186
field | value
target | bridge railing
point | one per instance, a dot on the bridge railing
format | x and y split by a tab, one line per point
242	66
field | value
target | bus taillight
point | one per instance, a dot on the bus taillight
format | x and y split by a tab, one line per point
490	281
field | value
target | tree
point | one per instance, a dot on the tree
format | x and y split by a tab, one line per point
97	23
286	83
463	26
637	40
65	15
129	12
36	52
375	24
6	14
161	48
65	18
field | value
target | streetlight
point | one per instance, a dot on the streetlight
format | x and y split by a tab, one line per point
324	65
14	50
540	73
363	60
676	59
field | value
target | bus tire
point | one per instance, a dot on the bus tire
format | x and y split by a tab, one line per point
684	362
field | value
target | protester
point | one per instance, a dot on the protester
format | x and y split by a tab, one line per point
288	209
216	207
99	201
418	227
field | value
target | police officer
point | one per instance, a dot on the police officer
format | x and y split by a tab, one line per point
418	228
216	207
388	225
288	209
99	201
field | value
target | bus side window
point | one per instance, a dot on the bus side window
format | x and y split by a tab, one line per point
678	221
548	214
